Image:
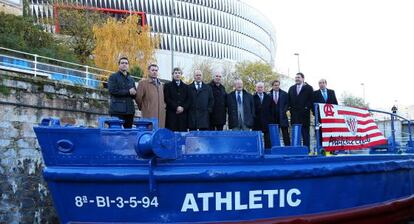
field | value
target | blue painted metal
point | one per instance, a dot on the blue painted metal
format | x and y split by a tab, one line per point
155	176
317	129
159	144
296	135
274	135
392	146
410	143
290	151
111	122
152	123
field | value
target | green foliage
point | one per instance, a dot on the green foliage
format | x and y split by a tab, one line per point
353	101
253	72
78	26
136	71
4	90
19	33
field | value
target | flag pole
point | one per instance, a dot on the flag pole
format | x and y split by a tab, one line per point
317	129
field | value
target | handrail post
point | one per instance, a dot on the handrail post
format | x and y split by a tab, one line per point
317	130
35	65
393	145
410	138
86	75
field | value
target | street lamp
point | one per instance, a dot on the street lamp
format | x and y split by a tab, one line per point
172	30
297	54
394	109
363	91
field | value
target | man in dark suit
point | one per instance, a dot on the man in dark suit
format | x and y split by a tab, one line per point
240	108
122	89
218	115
262	110
278	109
300	104
323	95
202	102
177	99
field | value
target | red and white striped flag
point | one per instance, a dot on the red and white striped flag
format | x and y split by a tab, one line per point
347	128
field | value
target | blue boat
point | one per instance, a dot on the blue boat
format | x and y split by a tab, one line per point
148	175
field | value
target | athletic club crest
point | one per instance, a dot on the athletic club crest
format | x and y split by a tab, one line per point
351	124
329	110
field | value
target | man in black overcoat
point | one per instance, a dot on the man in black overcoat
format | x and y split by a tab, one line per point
278	108
122	89
202	102
177	99
218	115
262	103
300	104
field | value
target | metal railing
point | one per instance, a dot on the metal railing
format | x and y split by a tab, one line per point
55	69
393	145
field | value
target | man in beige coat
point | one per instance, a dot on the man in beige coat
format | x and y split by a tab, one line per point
150	96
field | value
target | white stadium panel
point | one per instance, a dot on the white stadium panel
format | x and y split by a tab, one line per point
216	29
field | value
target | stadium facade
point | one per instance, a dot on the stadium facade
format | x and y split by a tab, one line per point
222	31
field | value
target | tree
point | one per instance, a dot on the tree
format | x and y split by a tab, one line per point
124	38
205	66
77	25
228	72
19	33
253	72
353	101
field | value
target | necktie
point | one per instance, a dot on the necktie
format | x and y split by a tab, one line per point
198	86
275	97
297	89
325	96
155	81
238	98
178	83
261	97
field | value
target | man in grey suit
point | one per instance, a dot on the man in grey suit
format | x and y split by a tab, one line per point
240	108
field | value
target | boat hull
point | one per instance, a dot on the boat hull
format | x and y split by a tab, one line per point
100	175
269	190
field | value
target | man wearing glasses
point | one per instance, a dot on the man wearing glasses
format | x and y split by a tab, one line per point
122	89
150	96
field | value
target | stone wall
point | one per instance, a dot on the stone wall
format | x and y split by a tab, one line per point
24	101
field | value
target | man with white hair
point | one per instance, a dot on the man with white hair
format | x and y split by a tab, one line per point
262	103
240	108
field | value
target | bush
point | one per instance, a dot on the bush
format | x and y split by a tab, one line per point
136	71
19	33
